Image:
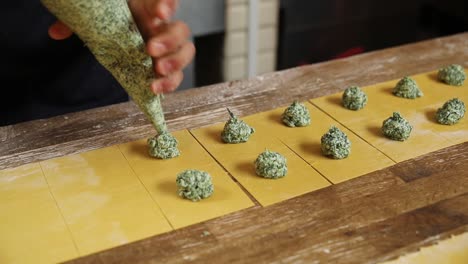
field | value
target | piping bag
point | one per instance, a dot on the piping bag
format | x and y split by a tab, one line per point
107	28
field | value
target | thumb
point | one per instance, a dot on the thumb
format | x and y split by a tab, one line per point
59	31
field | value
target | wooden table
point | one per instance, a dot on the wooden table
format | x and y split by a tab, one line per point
373	218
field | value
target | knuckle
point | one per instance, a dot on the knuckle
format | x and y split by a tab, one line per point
178	77
191	48
183	28
176	80
176	64
181	74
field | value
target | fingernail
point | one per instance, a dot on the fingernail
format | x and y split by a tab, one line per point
156	87
165	12
61	29
166	67
158	48
166	85
157	22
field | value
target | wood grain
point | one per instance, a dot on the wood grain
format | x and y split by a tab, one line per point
372	218
101	127
381	218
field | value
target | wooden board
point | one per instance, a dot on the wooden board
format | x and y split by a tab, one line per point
412	204
452	250
376	217
120	194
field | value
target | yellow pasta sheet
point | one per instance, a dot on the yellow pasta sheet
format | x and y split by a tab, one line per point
438	93
306	141
239	159
103	202
427	135
31	227
159	177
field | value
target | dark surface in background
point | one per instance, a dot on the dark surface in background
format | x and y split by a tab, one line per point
208	60
314	31
41	77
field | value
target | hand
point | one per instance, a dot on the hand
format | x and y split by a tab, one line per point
166	42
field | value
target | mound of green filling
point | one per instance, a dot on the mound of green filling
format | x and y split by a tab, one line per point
407	88
296	115
453	75
194	185
335	144
271	165
354	98
396	127
235	130
451	112
163	146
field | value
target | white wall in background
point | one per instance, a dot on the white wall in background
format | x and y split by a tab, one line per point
236	40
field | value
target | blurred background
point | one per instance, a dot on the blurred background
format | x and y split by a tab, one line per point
235	39
291	33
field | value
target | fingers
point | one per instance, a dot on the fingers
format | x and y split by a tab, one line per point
162	9
169	39
167	84
176	61
166	42
59	31
174	4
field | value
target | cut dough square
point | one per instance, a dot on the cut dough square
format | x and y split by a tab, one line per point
439	93
159	178
239	159
32	229
102	200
